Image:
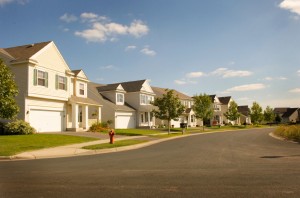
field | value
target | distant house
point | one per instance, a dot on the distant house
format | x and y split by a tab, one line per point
187	117
52	97
225	103
218	113
288	115
245	117
127	104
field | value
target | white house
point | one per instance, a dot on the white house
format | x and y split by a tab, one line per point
51	96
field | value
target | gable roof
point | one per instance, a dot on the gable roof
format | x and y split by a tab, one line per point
133	86
280	110
289	112
225	100
160	91
94	94
244	110
24	52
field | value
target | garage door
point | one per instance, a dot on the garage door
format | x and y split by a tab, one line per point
125	121
46	121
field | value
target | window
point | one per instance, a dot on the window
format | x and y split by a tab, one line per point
120	98
61	82
192	118
142	118
81	89
146	116
146	99
40	78
143	99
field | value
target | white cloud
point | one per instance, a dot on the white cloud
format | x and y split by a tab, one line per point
195	74
130	47
291	5
282	78
248	87
4	2
108	67
68	18
268	78
102	29
148	51
296	90
227	73
298	72
180	82
138	28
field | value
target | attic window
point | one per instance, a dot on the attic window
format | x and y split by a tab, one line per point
120	98
81	89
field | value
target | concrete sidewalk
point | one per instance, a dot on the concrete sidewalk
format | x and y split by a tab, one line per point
73	149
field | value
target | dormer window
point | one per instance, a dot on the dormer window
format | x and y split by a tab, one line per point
81	89
146	99
120	98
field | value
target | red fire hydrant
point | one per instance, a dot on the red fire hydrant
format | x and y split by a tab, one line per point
111	136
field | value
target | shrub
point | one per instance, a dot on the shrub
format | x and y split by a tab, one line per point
2	128
18	127
289	132
99	127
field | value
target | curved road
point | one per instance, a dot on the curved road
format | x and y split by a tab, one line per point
230	164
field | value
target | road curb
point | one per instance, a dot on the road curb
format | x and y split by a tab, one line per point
281	138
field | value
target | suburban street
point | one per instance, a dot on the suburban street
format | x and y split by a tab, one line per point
246	163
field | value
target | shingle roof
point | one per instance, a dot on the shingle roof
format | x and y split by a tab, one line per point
95	95
280	110
244	110
133	86
109	87
24	52
225	100
289	112
212	97
76	72
82	100
160	91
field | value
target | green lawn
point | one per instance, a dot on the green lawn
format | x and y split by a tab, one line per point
13	144
116	144
137	132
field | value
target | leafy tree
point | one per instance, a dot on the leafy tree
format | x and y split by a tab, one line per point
269	115
169	107
232	113
256	113
203	107
8	91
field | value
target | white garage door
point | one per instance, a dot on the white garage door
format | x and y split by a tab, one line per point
125	121
46	121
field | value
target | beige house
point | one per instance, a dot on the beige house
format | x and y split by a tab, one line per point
218	113
51	96
127	104
187	117
245	117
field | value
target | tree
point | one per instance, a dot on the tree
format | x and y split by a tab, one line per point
256	113
232	113
269	115
8	91
203	107
169	107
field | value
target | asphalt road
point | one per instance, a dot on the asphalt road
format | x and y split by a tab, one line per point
231	164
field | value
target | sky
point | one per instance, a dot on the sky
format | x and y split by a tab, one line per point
247	49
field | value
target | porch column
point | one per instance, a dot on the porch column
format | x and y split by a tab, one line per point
149	119
99	114
85	117
74	116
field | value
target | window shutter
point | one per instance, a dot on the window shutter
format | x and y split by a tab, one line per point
46	79
56	81
66	83
35	77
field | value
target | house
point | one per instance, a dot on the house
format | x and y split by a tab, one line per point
288	115
218	113
245	117
52	97
225	103
187	117
127	104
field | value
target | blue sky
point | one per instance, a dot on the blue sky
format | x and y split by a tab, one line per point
247	49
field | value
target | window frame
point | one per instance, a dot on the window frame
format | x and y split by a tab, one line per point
120	98
81	89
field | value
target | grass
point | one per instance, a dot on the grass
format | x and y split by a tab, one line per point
289	132
115	145
13	144
137	132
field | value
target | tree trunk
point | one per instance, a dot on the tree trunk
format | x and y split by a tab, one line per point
168	127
